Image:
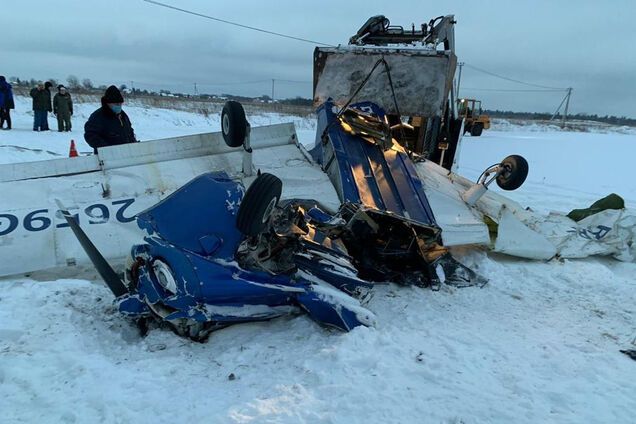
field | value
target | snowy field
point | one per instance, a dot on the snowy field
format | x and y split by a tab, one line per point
539	343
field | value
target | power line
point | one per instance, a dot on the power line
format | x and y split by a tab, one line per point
199	84
512	79
201	15
216	84
516	90
294	82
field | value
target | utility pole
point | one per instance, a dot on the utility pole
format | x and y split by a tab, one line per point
132	86
459	78
273	80
196	91
567	103
556	112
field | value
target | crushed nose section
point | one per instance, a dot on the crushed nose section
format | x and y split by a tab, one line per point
204	266
353	248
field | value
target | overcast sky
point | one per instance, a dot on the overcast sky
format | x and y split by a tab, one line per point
587	45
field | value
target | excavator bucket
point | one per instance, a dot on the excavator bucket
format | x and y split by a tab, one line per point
420	79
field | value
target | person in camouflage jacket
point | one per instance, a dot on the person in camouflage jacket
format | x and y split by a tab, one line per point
63	108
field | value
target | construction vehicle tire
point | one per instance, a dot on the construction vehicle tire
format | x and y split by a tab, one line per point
476	129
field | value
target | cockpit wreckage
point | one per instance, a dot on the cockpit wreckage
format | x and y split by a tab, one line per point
216	254
276	228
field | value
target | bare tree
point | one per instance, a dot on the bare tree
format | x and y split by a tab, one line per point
73	82
87	84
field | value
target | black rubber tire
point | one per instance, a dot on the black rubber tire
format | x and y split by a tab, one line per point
233	124
258	204
477	129
516	171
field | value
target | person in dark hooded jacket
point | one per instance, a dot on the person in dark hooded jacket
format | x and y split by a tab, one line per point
41	106
6	102
109	125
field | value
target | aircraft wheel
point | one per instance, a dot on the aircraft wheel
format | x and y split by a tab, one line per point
233	124
257	205
515	171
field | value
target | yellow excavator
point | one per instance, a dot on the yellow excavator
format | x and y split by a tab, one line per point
474	120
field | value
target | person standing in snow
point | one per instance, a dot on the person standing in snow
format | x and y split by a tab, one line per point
47	88
109	125
63	108
6	103
41	106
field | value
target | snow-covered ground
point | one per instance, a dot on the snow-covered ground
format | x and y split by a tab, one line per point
539	343
499	124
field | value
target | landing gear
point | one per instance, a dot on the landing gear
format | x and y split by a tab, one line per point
513	172
510	174
257	205
233	124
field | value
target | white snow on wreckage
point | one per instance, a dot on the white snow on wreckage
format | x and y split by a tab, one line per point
473	355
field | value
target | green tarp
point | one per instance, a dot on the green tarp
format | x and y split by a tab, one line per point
612	201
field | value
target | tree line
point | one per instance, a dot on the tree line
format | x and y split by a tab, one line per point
86	85
71	82
608	119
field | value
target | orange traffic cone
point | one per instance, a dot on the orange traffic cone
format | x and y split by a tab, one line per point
72	153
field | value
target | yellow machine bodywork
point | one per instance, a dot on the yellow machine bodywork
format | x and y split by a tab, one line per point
474	120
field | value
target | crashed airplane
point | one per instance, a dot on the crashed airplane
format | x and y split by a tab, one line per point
247	224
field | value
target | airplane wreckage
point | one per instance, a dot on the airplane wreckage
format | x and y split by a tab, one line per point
248	225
